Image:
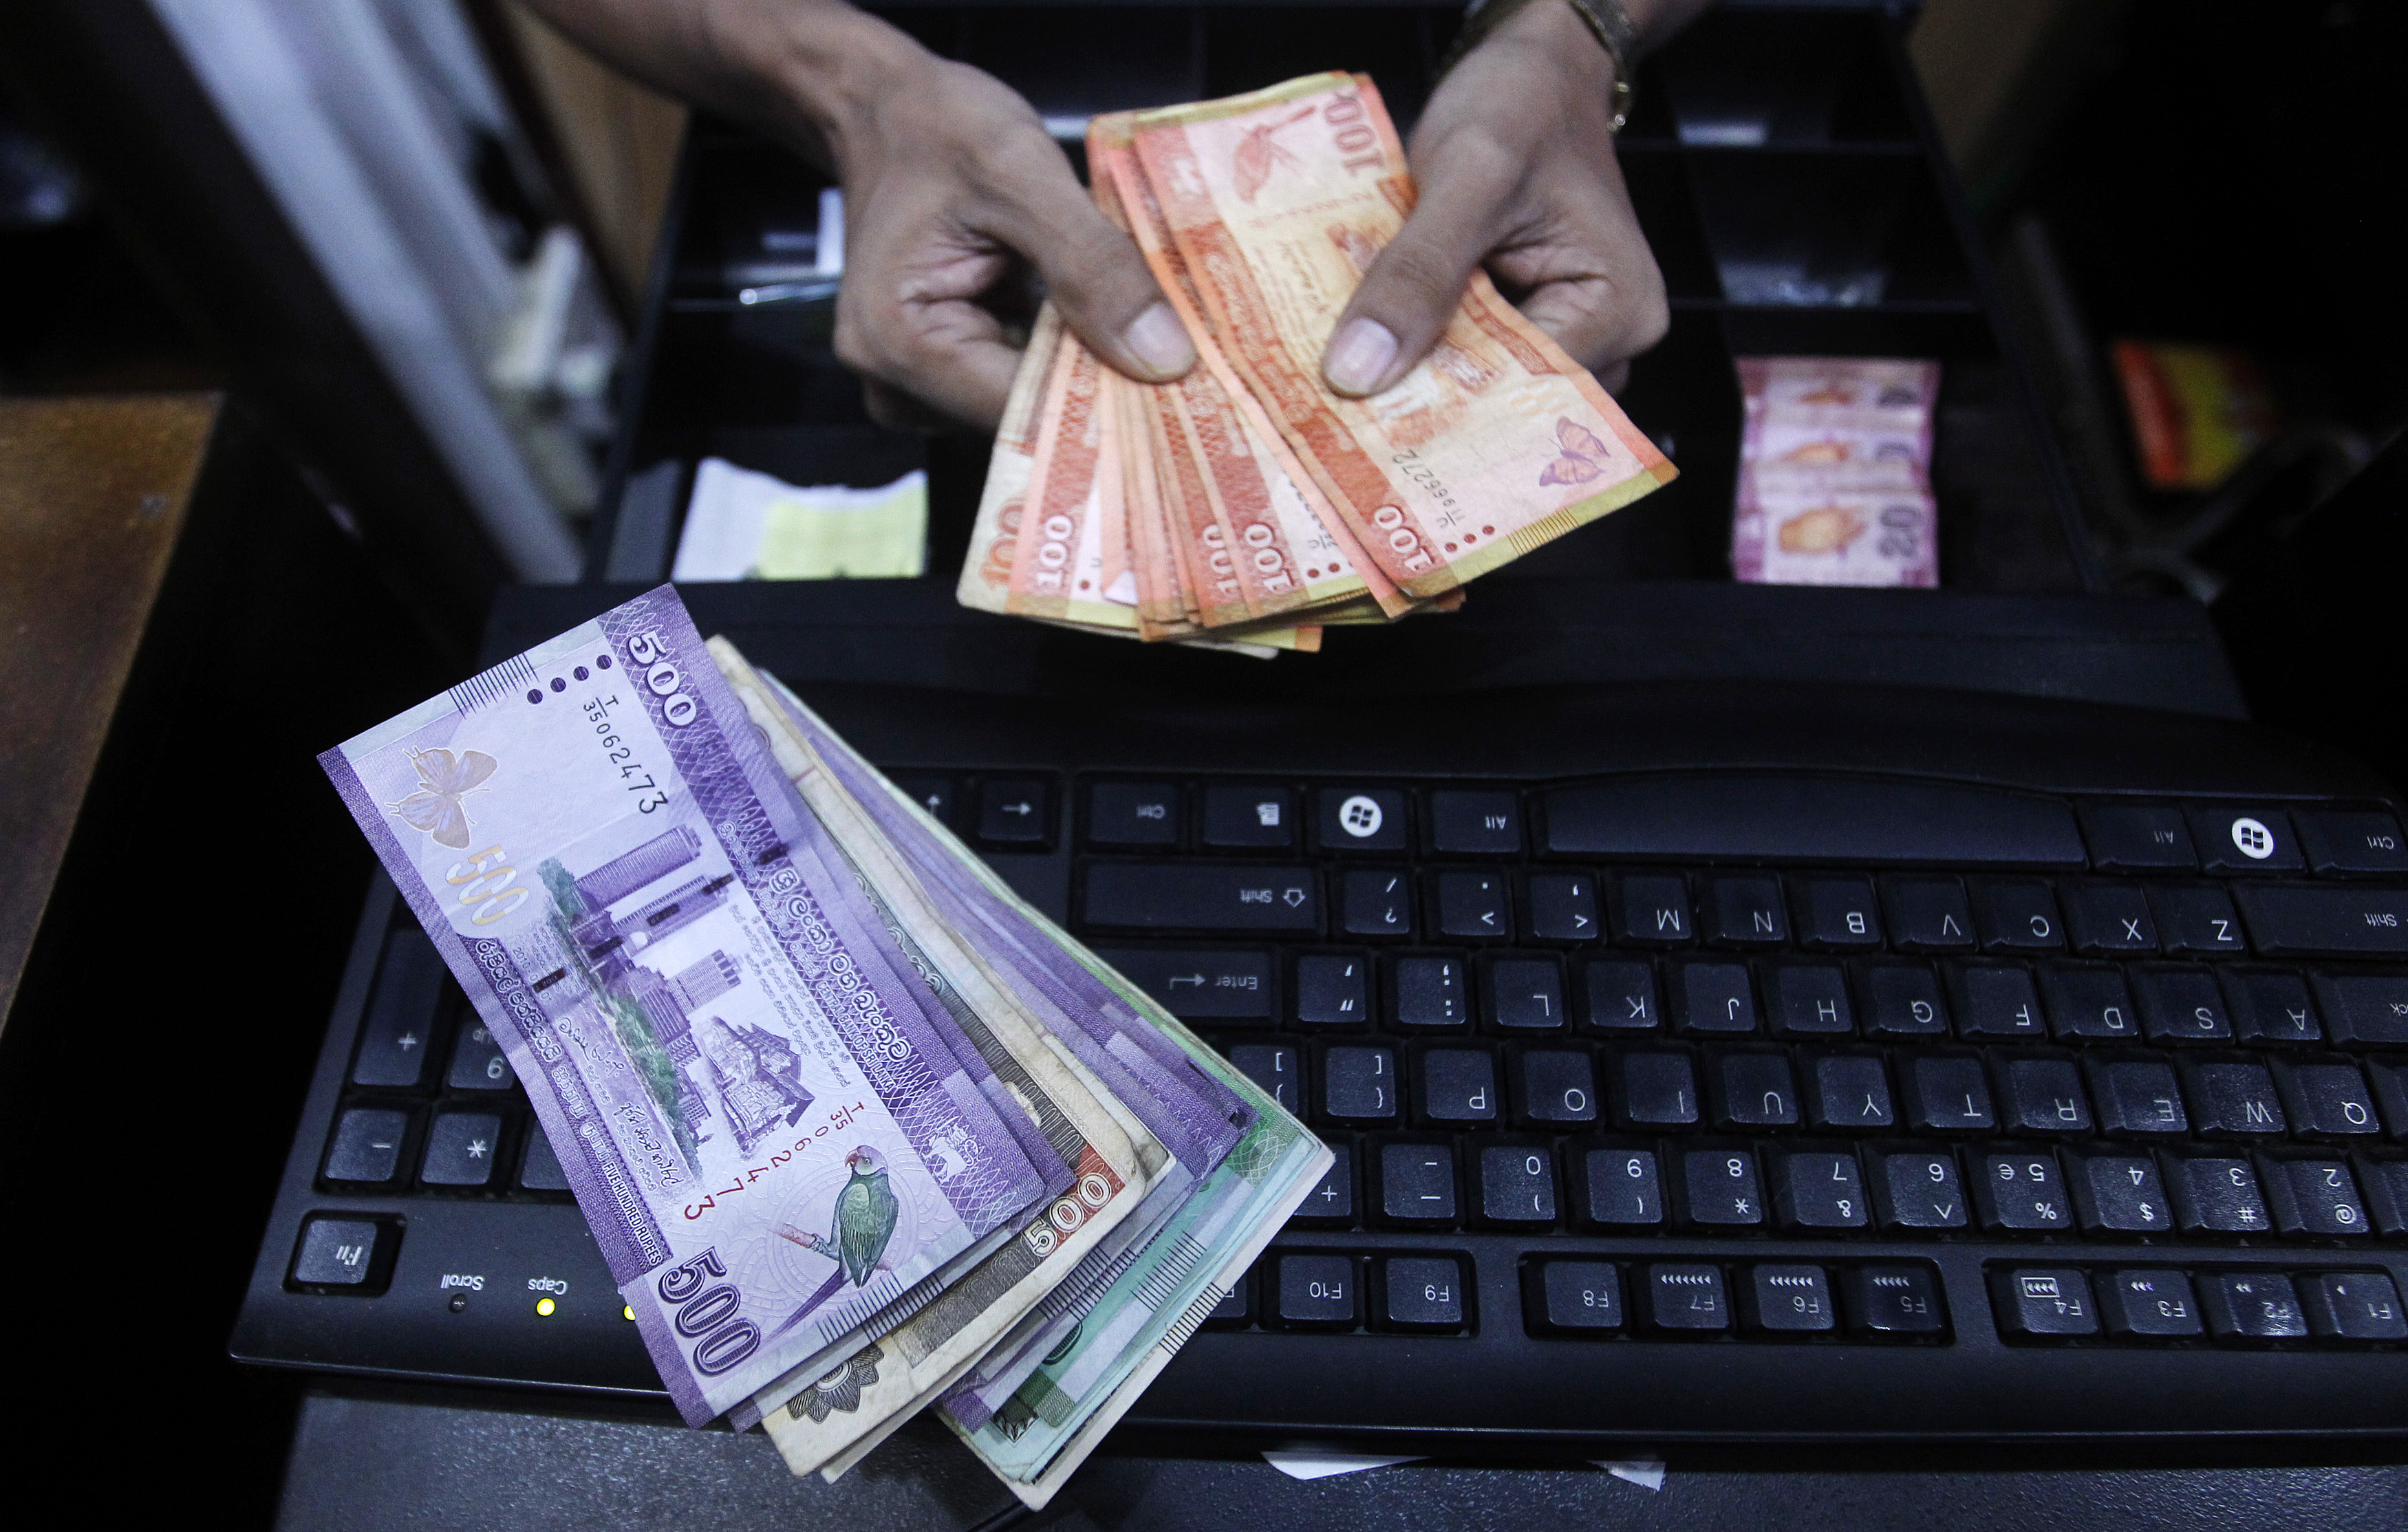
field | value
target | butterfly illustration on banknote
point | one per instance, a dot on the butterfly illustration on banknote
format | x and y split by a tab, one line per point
1250	163
1584	455
444	780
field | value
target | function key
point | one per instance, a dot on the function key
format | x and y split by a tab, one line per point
404	1013
1012	811
1786	1300
366	1145
1249	818
1421	1292
2137	837
1236	1309
352	1254
1464	823
2245	840
930	791
1316	1291
1685	1296
461	1149
1578	1297
539	1169
1901	1301
2352	1306
1838	914
1747	911
2252	1306
2042	1303
1133	814
2152	1305
1360	819
2352	840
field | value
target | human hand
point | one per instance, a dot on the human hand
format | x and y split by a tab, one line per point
1514	158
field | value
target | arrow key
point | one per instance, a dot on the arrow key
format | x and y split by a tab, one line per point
1012	811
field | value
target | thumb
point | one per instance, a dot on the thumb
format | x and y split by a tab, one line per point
1413	287
1099	280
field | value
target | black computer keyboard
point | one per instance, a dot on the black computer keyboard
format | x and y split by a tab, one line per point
1669	1104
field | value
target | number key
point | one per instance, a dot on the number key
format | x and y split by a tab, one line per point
1719	1188
2216	1195
2313	1198
2022	1193
1623	1188
1517	1186
1918	1189
477	1061
1818	1190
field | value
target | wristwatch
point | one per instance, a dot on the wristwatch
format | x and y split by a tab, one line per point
1605	18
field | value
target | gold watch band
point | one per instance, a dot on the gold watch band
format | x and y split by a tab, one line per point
1605	18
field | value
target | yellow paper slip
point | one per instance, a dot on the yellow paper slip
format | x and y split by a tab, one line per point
742	524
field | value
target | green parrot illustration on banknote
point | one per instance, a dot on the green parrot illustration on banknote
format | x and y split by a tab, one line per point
864	1216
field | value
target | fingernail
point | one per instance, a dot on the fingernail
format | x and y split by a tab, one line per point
1160	342
1357	357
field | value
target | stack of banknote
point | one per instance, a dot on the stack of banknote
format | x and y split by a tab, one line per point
858	1130
1835	472
1247	505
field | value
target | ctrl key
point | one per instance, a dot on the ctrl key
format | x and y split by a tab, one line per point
1316	1291
344	1256
2044	1304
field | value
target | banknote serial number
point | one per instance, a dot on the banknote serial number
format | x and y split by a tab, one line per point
1419	470
633	775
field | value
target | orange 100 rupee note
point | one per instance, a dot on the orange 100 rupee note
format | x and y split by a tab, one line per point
1492	445
987	573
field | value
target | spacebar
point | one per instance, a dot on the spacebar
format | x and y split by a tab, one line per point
1171	896
1744	814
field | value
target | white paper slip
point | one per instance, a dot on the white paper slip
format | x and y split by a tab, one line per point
1310	1465
743	524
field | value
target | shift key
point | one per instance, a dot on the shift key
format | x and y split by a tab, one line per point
1169	896
1195	984
2343	920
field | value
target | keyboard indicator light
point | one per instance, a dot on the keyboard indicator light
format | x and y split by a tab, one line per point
544	1308
628	1312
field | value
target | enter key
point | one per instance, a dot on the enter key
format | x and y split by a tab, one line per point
1222	983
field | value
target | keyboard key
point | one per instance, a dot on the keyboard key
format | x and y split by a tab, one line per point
2328	1100
366	1145
1994	1000
1786	1300
477	1060
1249	818
2042	1303
1171	896
930	791
2233	1100
1685	1296
1623	1188
1579	1297
2385	1181
1848	1091
1946	1094
1655	908
2149	1305
403	1011
539	1169
1474	905
2138	1098
2342	921
462	1148
1836	914
2022	1194
2043	1095
1421	1292
2244	840
2370	1009
1418	1185
1236	1309
2119	1194
1902	1000
1133	814
1893	1301
2109	919
1330	1204
2270	1006
1557	1087
1517	1186
1752	1091
1748	912
2251	1306
1316	1291
2182	1005
2196	918
1621	996
1526	994
352	1253
2352	1306
1563	906
1653	1089
1928	914
1819	1188
1214	984
1464	823
1278	1068
1376	904
1012	812
1332	989
1361	819
2390	1082
1917	1189
2313	1197
2215	1194
2137	837
1711	999
1457	1086
1720	1189
1357	1084
2016	915
1808	1000
2088	1001
1428	992
2351	840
